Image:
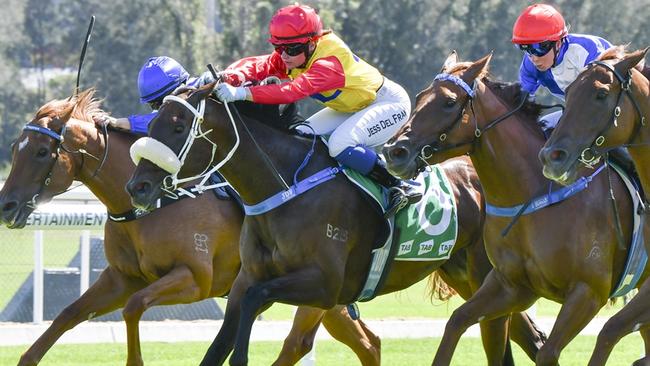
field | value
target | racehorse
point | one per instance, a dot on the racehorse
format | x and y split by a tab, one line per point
565	252
156	259
316	248
607	107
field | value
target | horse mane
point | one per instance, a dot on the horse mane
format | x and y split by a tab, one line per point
84	107
511	94
271	114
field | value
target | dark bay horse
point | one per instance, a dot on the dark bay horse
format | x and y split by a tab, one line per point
286	253
156	259
566	252
609	99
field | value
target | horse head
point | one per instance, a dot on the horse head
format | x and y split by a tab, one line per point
439	127
164	155
603	111
43	164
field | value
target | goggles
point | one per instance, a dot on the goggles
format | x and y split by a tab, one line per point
293	49
537	49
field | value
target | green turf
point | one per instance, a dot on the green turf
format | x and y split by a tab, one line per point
395	352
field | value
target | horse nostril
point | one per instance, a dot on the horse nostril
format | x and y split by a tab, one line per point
399	153
9	206
558	156
138	188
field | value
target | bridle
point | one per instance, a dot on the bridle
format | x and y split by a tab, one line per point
428	150
59	139
590	155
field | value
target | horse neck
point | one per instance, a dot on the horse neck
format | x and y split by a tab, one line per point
109	182
641	153
505	156
248	172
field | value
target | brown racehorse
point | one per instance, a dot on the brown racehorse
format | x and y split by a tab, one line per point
287	255
565	252
590	112
148	263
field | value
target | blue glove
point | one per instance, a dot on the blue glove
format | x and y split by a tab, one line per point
228	93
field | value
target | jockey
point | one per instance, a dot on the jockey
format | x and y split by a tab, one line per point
158	77
363	109
554	58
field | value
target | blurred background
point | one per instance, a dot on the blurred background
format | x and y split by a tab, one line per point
40	41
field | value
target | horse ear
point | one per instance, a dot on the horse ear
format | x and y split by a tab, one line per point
477	69
451	60
631	60
66	113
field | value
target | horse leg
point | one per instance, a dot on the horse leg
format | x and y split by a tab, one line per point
580	306
645	361
108	293
301	337
632	317
526	334
354	334
491	301
177	286
301	286
493	333
223	343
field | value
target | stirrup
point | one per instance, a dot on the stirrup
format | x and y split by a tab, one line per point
397	200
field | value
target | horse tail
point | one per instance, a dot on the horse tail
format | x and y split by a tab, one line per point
438	288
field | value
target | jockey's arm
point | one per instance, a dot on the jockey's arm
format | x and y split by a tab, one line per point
324	74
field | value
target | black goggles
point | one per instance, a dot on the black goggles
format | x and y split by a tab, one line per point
293	49
537	49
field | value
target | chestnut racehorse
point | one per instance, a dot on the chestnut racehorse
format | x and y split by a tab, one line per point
608	106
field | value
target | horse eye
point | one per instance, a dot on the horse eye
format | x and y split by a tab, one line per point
602	94
42	152
449	103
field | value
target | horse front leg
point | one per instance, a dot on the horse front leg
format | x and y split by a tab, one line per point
305	286
494	299
224	341
108	293
176	287
354	334
644	361
301	337
579	307
634	316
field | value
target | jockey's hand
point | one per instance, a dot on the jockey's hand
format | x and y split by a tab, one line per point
122	123
228	93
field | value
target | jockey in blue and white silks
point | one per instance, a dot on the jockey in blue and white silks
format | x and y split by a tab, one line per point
158	77
554	58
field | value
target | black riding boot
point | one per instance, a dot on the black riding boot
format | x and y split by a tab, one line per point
400	194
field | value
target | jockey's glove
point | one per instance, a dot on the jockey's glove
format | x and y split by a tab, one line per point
228	93
122	123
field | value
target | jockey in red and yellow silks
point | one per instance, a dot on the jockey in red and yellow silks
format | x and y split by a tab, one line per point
363	109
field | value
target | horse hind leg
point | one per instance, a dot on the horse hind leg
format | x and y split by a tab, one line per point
108	293
177	286
354	334
301	337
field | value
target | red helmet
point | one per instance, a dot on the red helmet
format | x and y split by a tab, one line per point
295	24
539	23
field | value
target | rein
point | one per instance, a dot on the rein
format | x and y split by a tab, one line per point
590	155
